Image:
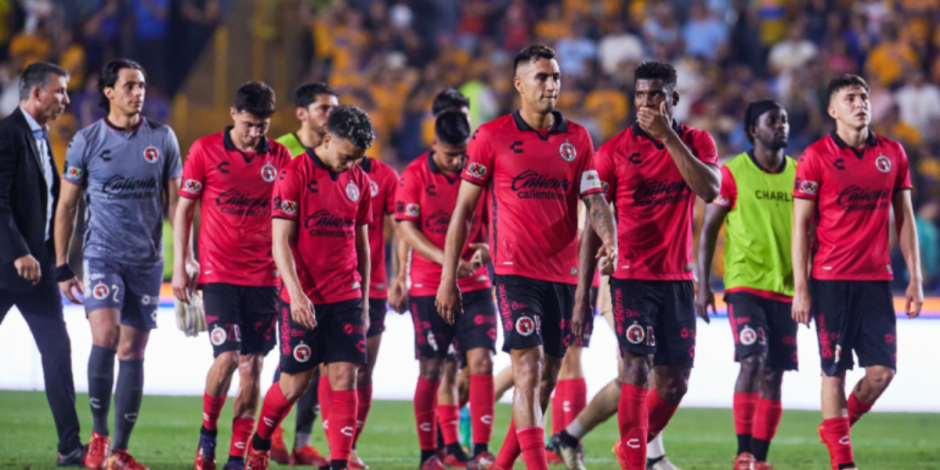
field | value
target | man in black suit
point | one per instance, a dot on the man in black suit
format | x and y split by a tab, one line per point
29	187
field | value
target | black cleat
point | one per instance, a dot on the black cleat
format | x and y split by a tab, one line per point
72	459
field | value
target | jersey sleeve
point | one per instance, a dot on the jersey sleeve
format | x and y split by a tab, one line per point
903	179
704	148
194	174
364	214
390	186
286	194
75	170
808	176
590	182
607	172
407	197
728	195
174	162
480	158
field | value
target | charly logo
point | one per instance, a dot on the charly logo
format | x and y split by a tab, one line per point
268	172
883	164
352	191
151	154
567	151
233	202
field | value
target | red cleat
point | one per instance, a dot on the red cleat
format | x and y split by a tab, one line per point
433	463
744	461
553	458
279	452
822	437
355	463
483	461
621	459
453	462
257	459
97	452
121	460
763	466
307	455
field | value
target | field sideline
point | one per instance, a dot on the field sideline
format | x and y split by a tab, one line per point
697	439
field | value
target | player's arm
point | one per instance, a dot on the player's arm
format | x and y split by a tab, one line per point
66	210
398	297
714	217
907	238
364	266
301	308
803	212
602	224
420	243
173	199
182	247
704	178
448	296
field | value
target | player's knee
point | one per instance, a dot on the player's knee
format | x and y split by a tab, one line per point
480	364
249	366
106	338
432	370
527	374
364	376
293	389
129	351
771	383
344	378
228	361
879	377
672	389
752	365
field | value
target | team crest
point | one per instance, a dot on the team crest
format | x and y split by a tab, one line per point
268	172
217	336
73	172
525	326
373	188
635	334
289	207
192	186
809	187
476	170
883	164
151	154
432	341
100	291
413	210
748	336
302	353
567	151
352	192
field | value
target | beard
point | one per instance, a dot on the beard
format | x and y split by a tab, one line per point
779	144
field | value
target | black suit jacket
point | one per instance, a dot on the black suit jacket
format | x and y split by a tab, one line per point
24	198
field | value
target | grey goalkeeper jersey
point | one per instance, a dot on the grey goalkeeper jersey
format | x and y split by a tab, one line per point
123	175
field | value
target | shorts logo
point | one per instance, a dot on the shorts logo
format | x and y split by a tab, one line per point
268	421
95	403
413	210
352	192
73	172
100	291
289	207
239	445
373	188
218	336
748	336
568	152
844	440
151	154
145	299
635	334
633	443
809	187
302	352
432	342
525	326
838	352
268	172
192	186
883	164
476	170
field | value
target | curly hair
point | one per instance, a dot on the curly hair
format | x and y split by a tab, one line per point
255	98
653	70
353	124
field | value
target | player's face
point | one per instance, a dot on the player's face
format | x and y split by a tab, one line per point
53	98
317	113
250	128
851	106
773	129
652	93
127	95
341	154
449	158
539	83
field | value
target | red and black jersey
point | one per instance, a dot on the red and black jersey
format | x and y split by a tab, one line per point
533	179
853	190
234	189
383	180
427	196
327	207
653	202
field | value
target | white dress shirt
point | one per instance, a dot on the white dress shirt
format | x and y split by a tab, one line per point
39	134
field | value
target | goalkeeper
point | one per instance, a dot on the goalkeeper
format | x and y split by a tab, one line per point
232	174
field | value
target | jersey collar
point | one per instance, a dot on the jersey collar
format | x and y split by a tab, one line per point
783	164
859	153
639	132
559	125
132	130
230	144
366	164
319	164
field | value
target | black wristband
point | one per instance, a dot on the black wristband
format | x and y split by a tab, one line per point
63	273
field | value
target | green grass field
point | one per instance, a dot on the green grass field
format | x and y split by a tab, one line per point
697	439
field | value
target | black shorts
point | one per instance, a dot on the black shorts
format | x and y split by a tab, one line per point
763	326
377	310
340	336
655	317
535	313
240	318
474	328
854	316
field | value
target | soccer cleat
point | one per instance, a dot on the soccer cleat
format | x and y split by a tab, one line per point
483	461
570	456
234	465
257	459
744	461
433	463
307	455
97	452
355	463
121	460
72	459
832	456
621	459
279	452
664	464
763	466
454	461
553	458
205	453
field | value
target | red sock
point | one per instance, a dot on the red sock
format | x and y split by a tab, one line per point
633	419
510	450
273	411
577	394
559	405
532	444
362	410
425	401
482	403
744	406
837	432
325	394
241	432
857	408
448	417
211	408
767	419
342	423
660	412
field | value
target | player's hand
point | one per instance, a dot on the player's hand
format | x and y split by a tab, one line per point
801	305
184	280
581	311
914	299
608	259
448	301
302	311
656	122
70	287
465	268
705	298
398	295
481	257
28	268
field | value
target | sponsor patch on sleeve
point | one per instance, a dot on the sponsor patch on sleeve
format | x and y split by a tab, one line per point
809	187
476	171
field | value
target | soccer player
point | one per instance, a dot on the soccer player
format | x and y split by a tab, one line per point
652	172
424	206
123	165
846	185
314	102
231	175
535	165
755	201
322	206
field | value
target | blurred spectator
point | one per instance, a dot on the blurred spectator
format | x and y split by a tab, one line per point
619	46
892	59
553	27
575	52
920	103
792	53
704	35
661	27
150	31
28	46
894	126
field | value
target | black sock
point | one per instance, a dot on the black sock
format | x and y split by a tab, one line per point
457	451
236	458
338	465
744	443
654	461
127	397
258	443
426	454
760	449
208	432
567	439
480	448
307	407
100	384
843	466
440	439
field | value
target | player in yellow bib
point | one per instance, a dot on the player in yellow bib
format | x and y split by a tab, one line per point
314	102
755	202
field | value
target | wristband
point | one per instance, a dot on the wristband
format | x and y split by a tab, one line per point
63	273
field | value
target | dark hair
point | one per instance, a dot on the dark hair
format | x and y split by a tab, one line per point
256	99
653	70
109	76
844	81
449	99
532	54
307	93
753	113
351	123
37	75
451	127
